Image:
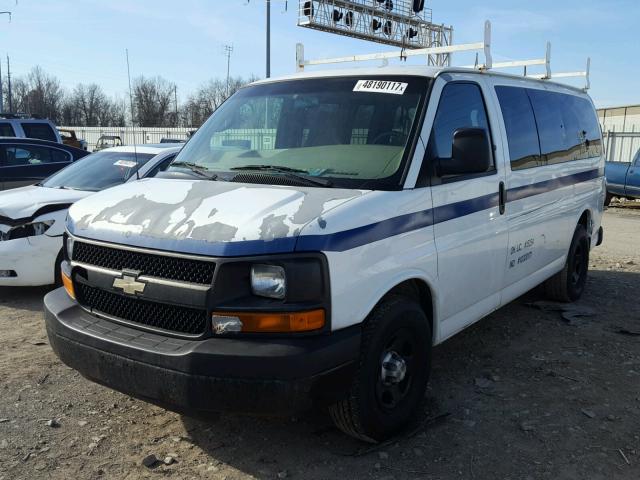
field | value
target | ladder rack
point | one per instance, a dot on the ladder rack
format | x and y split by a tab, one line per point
483	46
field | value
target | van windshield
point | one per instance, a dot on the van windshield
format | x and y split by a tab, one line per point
355	131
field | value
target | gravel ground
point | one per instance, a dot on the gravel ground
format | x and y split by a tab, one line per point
523	394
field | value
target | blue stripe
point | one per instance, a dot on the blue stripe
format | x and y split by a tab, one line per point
347	239
525	191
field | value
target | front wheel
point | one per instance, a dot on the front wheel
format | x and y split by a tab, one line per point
568	284
388	388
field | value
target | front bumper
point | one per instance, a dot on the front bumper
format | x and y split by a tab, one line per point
250	375
32	258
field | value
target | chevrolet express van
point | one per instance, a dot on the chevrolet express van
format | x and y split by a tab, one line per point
322	232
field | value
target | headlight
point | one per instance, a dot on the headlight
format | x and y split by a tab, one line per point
268	281
27	230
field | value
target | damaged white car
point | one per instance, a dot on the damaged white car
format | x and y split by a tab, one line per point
32	218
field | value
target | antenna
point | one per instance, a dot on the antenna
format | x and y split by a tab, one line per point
133	125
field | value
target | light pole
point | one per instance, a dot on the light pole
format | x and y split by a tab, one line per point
268	38
1	92
228	50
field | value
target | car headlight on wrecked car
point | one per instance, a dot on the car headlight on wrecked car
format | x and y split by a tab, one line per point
268	281
26	230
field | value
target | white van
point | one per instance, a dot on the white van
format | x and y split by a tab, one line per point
322	232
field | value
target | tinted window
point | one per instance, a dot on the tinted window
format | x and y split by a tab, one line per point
548	108
98	171
43	131
589	126
6	130
520	123
567	126
461	106
34	155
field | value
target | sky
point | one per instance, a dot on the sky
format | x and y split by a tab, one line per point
183	41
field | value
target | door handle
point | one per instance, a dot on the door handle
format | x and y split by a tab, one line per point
501	198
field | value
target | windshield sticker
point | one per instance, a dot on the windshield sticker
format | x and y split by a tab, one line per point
380	86
125	163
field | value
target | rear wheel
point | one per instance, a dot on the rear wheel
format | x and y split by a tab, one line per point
568	284
607	199
388	388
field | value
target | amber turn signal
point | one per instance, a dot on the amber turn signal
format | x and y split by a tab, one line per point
68	285
266	322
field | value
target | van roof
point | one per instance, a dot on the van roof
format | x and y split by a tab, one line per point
414	70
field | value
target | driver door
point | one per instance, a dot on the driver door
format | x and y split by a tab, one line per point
470	228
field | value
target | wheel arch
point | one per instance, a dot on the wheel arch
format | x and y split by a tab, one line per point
420	289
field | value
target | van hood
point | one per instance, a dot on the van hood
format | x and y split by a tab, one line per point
204	217
26	202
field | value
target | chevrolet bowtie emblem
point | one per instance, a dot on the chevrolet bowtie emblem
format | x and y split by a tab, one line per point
129	284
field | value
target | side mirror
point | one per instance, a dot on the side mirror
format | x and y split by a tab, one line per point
471	153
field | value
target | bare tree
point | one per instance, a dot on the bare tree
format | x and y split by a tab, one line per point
152	99
38	94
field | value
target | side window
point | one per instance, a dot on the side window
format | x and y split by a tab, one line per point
162	166
590	127
34	155
553	128
6	130
461	106
42	131
520	124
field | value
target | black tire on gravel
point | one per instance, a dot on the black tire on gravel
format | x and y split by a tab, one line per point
607	199
376	408
568	284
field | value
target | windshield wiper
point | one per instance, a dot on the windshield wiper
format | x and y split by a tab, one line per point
273	168
195	168
290	172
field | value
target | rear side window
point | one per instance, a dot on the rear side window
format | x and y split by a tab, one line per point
520	123
23	155
42	131
553	128
6	130
564	126
461	106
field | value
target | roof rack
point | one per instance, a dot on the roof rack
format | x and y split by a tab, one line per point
484	46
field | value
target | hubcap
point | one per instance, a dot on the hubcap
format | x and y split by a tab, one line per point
394	368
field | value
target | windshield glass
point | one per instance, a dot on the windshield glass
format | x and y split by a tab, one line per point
352	130
98	171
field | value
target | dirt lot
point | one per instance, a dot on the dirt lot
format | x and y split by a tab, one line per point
524	394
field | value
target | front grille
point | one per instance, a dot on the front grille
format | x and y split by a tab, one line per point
153	265
189	321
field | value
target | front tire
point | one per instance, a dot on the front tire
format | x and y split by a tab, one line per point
568	284
57	272
395	359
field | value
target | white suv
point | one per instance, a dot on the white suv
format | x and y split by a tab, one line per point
22	126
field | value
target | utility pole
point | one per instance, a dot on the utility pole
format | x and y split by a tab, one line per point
175	96
228	50
10	98
1	92
268	38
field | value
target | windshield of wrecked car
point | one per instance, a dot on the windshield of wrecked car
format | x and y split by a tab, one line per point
98	171
354	130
